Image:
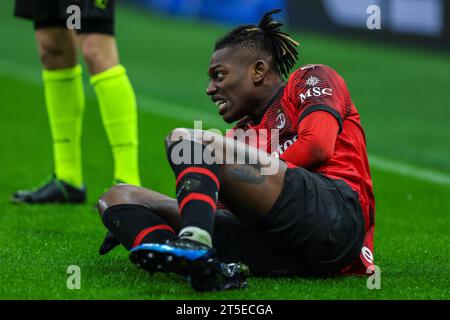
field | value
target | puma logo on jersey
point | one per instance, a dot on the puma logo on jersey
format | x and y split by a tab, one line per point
315	92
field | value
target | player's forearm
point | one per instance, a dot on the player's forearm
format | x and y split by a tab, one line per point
316	141
307	155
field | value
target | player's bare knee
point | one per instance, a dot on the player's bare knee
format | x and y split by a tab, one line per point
98	53
92	54
168	141
175	135
118	194
49	53
57	49
54	56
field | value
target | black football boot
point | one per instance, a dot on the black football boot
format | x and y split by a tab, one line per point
54	191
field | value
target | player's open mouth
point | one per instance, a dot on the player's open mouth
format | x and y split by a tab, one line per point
221	104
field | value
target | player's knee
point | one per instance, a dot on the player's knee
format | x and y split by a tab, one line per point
175	135
92	53
168	139
56	56
57	48
98	55
118	194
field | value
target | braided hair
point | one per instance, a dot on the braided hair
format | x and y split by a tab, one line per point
265	39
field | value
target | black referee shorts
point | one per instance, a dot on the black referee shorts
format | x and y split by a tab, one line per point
97	16
315	228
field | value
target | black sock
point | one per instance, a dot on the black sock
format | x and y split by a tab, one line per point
197	185
134	224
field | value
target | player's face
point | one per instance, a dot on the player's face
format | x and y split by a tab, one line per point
231	86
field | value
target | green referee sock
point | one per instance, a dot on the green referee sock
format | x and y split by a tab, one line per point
119	114
64	99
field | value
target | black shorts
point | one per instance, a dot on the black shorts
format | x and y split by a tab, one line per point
315	228
97	16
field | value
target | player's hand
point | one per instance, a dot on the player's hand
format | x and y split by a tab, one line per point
109	243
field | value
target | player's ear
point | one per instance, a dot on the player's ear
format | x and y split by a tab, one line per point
259	71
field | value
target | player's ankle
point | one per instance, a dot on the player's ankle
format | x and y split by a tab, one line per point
196	234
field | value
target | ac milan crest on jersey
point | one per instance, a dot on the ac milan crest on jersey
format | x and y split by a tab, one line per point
281	120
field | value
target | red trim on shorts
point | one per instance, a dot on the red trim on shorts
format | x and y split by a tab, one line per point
199	170
137	241
197	196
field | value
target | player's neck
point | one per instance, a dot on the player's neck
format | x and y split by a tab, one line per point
266	100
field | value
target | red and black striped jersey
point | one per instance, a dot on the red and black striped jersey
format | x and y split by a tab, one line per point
309	89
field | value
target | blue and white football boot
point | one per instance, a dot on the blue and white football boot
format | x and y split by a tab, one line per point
193	260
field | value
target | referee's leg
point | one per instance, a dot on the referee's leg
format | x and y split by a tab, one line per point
64	96
115	93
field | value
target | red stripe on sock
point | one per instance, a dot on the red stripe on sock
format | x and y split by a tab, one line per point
137	241
199	197
204	171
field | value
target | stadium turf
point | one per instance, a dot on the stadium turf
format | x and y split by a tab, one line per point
402	97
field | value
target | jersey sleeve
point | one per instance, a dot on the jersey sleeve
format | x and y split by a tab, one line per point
316	144
318	87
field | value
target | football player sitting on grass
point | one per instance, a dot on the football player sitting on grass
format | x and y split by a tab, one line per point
304	206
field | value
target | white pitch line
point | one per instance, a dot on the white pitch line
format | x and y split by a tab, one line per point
409	170
182	113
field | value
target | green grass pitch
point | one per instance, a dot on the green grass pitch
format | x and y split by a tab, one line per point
402	95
